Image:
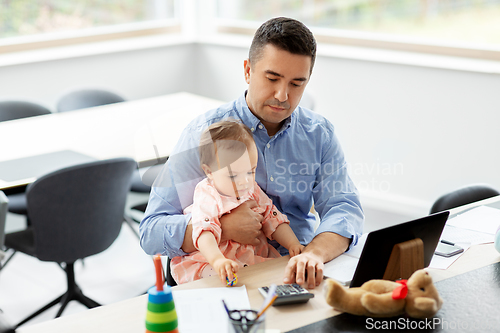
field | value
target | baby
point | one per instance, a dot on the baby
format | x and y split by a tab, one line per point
228	157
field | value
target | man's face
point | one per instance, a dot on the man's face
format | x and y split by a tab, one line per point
275	85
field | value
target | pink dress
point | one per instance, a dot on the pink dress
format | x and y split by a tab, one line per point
208	206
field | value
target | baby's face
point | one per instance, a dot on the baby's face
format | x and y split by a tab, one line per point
239	178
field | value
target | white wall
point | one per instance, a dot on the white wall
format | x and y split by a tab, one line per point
409	133
133	74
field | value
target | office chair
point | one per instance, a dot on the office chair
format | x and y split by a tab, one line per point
143	184
87	98
11	110
4	202
168	275
75	212
5	327
463	196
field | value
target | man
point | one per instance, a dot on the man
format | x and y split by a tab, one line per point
300	162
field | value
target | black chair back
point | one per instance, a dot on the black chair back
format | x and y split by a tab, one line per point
463	196
78	211
87	98
3	216
10	110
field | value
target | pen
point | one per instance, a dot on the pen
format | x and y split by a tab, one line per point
266	307
270	298
225	307
446	242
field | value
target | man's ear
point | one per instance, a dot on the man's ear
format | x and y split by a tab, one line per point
246	65
207	171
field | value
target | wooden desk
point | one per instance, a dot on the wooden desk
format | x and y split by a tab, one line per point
128	316
128	129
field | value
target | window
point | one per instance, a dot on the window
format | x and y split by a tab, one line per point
454	25
25	21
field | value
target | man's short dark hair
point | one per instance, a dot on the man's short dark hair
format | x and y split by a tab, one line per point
286	34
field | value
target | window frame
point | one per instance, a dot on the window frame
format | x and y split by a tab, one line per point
375	40
92	35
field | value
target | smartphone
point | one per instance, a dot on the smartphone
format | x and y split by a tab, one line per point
448	250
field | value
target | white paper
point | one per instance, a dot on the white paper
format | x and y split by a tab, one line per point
483	219
459	235
201	310
343	267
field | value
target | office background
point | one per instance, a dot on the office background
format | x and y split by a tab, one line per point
413	126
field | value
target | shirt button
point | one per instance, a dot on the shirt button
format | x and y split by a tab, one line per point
274	213
268	145
252	129
271	179
260	126
206	219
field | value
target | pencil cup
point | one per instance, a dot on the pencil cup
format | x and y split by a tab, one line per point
246	321
161	316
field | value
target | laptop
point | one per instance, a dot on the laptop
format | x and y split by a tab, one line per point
379	243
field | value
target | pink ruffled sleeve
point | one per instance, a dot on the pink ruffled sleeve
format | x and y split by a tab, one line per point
205	212
272	216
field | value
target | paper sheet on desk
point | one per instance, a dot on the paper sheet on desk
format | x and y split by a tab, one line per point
482	219
343	267
461	237
201	310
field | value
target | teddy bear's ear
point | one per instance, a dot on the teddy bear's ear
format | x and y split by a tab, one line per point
423	307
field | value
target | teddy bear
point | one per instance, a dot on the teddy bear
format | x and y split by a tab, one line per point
417	297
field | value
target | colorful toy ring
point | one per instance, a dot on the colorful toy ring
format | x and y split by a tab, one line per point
233	282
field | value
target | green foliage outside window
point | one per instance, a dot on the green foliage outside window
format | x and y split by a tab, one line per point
453	20
28	17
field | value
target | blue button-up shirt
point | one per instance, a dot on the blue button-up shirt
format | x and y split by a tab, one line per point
300	165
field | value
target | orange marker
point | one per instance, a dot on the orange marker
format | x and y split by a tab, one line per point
159	273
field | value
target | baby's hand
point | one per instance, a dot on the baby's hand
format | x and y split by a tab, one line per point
295	249
225	268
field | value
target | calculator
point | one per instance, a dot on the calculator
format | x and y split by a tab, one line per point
288	294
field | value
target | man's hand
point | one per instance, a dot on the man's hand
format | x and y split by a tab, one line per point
242	225
308	266
295	271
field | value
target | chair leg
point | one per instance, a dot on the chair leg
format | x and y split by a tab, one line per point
73	293
8	259
88	302
130	222
66	298
45	308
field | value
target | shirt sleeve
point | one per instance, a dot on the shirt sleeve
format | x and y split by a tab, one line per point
336	198
205	212
272	216
164	225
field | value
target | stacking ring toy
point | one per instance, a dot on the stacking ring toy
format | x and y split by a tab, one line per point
233	282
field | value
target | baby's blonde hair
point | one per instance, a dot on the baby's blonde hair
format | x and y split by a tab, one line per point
227	135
